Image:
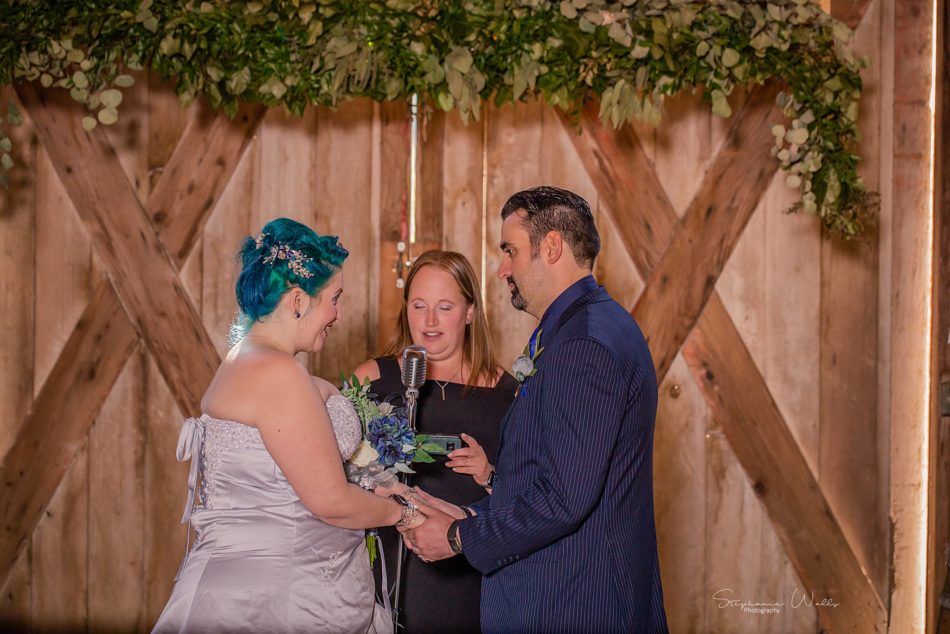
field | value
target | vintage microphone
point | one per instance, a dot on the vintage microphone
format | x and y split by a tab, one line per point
413	376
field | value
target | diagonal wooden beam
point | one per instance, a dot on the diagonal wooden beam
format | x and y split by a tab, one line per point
97	350
140	269
735	389
682	281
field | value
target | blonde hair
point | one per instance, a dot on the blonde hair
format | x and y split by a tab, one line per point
477	349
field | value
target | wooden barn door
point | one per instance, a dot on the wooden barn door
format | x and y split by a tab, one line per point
118	272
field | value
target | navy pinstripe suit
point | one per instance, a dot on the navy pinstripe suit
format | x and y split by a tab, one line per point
567	541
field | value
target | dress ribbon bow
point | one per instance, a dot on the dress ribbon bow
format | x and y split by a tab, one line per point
190	440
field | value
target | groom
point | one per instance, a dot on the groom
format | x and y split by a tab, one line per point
567	540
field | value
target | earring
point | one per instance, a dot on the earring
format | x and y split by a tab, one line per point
296	314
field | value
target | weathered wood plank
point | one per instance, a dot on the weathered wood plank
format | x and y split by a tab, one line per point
622	187
77	385
390	174
430	174
912	429
167	486
706	236
511	129
942	319
17	239
462	192
341	148
117	498
60	555
853	435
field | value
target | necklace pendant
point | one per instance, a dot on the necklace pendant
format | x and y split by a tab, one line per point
442	387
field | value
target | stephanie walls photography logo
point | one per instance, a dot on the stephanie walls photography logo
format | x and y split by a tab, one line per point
726	599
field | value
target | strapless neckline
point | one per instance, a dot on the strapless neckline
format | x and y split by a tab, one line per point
206	417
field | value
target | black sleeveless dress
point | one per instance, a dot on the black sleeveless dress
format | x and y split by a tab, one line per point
443	596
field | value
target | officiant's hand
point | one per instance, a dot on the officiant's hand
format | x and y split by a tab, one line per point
430	541
471	460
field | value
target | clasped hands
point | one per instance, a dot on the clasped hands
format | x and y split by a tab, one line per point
427	537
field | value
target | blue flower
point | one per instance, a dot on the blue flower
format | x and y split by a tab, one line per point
388	435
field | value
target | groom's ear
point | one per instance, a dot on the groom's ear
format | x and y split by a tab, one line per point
552	247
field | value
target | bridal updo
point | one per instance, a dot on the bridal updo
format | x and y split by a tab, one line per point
283	255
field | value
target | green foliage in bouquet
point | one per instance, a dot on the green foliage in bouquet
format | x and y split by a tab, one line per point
631	54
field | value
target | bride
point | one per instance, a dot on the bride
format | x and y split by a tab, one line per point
280	542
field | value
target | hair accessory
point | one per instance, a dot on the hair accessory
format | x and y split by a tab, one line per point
295	259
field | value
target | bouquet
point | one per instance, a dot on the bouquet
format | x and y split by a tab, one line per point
389	446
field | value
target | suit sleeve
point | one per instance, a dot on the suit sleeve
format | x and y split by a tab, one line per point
584	397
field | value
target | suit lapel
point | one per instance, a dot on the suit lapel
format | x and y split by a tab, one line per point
598	294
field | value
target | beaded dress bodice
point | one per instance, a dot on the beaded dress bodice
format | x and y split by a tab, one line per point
220	442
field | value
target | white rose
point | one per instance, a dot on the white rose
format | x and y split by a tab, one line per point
365	454
522	367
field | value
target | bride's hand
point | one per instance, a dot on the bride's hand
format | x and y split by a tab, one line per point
394	487
420	497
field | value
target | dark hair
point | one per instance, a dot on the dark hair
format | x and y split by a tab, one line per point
551	209
285	254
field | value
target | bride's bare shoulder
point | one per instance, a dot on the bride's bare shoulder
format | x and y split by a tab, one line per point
326	388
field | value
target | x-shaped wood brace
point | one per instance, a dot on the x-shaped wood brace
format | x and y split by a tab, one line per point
141	247
681	259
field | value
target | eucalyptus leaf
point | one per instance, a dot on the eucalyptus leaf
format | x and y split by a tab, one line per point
124	81
459	59
720	105
454	80
6	161
238	82
107	116
730	57
110	98
445	101
5	144
640	51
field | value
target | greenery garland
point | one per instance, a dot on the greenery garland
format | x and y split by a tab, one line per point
630	53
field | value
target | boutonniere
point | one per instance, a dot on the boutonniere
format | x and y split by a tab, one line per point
524	366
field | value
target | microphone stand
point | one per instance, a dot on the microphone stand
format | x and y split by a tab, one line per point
412	393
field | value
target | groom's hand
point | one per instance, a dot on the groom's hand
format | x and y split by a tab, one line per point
430	540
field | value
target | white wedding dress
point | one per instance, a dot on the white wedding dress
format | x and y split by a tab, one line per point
261	561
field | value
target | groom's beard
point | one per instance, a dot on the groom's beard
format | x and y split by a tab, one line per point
517	299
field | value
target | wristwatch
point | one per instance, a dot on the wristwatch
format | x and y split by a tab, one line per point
491	480
455	543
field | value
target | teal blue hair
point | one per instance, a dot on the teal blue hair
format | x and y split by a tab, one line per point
261	284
